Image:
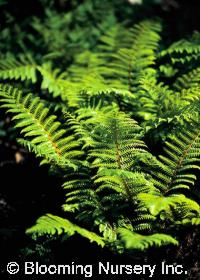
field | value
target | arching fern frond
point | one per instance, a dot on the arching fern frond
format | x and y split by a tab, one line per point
117	65
170	207
112	40
40	128
128	63
155	100
21	68
118	151
188	80
89	115
80	192
86	75
193	221
135	241
183	50
51	225
182	157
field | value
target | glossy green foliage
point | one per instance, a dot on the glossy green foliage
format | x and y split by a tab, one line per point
98	118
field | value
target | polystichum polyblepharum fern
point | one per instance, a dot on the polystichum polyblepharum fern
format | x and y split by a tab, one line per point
109	101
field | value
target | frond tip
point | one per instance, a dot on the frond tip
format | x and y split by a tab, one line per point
135	241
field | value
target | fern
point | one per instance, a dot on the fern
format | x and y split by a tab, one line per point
193	221
52	80
137	57
184	50
110	97
188	80
135	241
23	68
170	206
114	143
51	225
42	129
182	156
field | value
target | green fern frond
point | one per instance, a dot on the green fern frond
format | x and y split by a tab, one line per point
117	65
155	100
113	40
182	157
191	221
80	194
135	241
174	203
53	80
143	227
116	179
130	62
51	225
40	128
117	142
188	80
23	68
183	51
117	151
86	76
30	147
87	117
143	217
82	199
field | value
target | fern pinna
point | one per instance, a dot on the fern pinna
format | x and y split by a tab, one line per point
109	101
